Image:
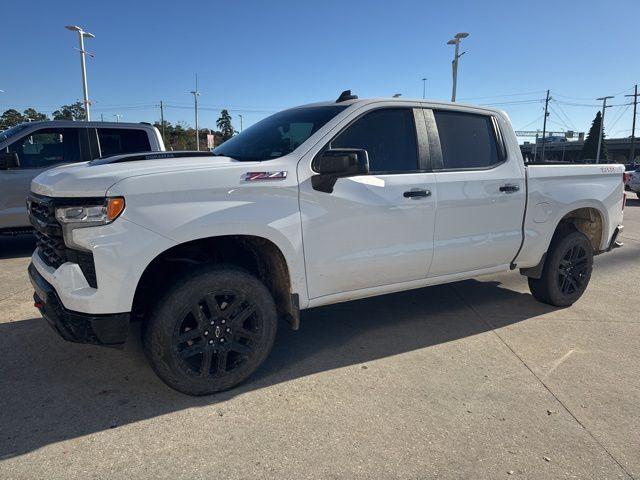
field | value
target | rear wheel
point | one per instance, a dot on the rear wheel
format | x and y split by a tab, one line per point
638	195
211	330
567	269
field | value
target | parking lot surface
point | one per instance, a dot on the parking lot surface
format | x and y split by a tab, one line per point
468	380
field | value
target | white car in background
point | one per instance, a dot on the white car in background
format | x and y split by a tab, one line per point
634	182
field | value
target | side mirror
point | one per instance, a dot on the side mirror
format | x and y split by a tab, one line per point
338	163
9	161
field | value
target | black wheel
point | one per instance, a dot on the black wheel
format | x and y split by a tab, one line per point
638	195
211	330
567	269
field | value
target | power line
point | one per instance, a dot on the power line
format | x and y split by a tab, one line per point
532	122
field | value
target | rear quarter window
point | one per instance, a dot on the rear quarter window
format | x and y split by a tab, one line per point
114	141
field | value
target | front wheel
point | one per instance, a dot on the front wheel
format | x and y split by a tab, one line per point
211	330
567	269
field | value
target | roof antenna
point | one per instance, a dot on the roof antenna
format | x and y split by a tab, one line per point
346	95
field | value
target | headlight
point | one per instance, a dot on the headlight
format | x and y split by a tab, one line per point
90	215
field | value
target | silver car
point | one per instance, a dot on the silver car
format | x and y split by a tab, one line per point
28	149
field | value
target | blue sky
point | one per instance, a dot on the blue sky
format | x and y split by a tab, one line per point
255	57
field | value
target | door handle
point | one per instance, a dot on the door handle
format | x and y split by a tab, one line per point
509	188
417	193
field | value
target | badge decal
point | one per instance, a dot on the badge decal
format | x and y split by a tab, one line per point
260	176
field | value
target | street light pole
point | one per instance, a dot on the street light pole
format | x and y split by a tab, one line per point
240	122
196	94
454	64
83	65
604	107
632	152
424	88
117	115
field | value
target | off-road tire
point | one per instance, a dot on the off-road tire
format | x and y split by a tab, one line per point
567	269
198	330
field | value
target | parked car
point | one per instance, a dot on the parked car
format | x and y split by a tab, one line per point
315	205
633	182
28	149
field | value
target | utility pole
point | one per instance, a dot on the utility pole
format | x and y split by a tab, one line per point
162	120
240	122
632	153
102	117
456	57
604	107
424	88
83	65
544	125
196	94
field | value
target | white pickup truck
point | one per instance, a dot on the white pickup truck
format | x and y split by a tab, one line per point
318	204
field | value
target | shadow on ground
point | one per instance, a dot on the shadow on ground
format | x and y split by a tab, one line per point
52	391
17	246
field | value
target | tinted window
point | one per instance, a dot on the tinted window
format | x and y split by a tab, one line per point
467	140
47	147
279	134
388	136
114	141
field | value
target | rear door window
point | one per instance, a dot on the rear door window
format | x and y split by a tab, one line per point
48	147
114	141
467	140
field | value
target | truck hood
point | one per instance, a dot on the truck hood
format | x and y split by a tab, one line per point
87	180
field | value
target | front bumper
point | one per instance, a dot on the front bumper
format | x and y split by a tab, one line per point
103	329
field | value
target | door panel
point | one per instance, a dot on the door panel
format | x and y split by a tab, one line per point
370	231
14	187
367	233
478	225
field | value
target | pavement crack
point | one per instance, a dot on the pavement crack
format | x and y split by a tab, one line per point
540	380
13	294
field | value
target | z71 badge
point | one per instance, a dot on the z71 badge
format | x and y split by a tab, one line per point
260	176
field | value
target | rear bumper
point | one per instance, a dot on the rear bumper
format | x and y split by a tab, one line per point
615	243
104	329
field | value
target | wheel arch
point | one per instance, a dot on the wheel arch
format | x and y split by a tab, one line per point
258	255
589	219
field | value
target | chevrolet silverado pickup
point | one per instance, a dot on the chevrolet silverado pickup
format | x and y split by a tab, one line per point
319	204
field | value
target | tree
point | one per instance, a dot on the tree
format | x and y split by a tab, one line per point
31	114
75	111
590	147
225	126
10	118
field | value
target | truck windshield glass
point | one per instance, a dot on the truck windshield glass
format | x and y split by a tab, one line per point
11	132
279	134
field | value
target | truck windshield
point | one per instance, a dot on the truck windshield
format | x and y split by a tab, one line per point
12	131
279	134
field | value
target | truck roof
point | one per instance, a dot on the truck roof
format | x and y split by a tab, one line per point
399	100
92	124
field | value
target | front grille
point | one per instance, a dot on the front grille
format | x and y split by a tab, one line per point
50	244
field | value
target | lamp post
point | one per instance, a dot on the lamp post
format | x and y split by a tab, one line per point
454	64
117	115
81	35
424	88
240	122
196	94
